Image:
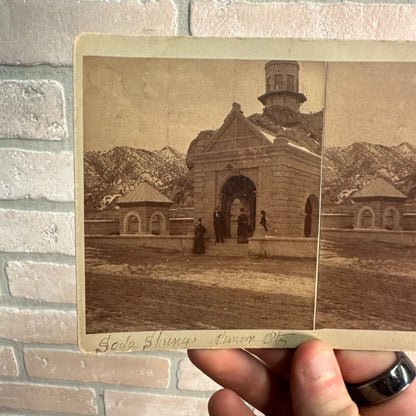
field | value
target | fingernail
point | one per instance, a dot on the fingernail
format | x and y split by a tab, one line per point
322	367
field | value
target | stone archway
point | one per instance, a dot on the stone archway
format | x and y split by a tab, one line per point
365	218
311	221
157	223
242	190
391	219
132	223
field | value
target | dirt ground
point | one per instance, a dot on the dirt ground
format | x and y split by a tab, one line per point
131	289
366	285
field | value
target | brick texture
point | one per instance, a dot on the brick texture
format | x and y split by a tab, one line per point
45	326
37	232
146	372
36	175
32	110
130	404
45	398
35	31
42	281
8	364
190	378
303	20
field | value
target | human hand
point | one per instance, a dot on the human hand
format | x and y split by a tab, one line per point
308	381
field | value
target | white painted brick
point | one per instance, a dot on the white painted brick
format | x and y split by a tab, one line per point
34	31
32	110
303	20
131	404
36	175
45	326
37	232
47	398
190	378
8	364
42	281
148	372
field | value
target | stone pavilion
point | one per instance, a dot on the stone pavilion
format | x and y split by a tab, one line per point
144	211
378	205
269	161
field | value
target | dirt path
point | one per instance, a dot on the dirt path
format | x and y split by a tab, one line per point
132	290
366	286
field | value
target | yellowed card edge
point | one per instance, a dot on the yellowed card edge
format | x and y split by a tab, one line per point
220	48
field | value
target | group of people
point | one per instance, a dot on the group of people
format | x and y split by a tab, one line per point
244	229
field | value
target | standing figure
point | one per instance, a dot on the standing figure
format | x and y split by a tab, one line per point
243	227
219	224
199	239
263	219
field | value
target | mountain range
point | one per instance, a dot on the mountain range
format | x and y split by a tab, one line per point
112	173
348	169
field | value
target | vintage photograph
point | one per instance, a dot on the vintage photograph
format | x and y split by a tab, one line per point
201	184
367	262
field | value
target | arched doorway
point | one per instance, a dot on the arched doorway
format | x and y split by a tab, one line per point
366	218
239	191
157	223
391	219
132	223
311	217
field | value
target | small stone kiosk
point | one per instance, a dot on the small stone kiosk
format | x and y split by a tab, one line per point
378	205
144	211
268	161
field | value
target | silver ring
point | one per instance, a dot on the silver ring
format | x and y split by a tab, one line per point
385	386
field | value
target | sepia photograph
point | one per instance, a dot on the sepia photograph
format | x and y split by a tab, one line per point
201	190
367	262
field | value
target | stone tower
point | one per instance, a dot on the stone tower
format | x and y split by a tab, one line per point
282	86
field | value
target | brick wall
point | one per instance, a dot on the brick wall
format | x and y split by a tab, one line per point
41	369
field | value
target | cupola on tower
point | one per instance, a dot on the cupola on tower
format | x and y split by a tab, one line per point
282	86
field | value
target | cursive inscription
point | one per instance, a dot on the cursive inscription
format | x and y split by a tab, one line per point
107	344
276	339
161	340
226	339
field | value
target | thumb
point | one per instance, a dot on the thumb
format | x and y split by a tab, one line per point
317	386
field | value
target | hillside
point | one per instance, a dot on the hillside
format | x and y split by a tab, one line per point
348	169
118	171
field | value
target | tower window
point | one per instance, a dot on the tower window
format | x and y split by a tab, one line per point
269	84
291	83
279	82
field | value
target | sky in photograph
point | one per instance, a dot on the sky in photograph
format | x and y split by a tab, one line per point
150	103
370	102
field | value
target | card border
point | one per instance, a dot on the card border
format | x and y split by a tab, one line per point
93	44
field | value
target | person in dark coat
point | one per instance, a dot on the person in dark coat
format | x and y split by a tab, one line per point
243	227
219	225
263	219
199	239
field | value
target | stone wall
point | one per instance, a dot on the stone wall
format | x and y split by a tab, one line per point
337	220
180	244
403	238
101	227
38	339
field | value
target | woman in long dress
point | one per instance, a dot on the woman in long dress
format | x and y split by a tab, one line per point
242	228
199	239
